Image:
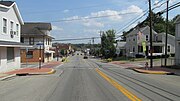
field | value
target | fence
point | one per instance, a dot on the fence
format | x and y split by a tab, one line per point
170	62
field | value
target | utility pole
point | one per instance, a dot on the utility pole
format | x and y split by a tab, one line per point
93	48
101	32
150	24
165	62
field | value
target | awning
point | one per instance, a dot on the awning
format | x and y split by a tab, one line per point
13	44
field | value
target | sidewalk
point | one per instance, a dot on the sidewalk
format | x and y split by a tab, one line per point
47	68
139	67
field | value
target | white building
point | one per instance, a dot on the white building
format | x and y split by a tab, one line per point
32	33
134	42
10	25
177	41
121	48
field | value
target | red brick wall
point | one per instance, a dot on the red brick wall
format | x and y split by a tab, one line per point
35	56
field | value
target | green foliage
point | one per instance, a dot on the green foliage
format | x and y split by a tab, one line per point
108	39
63	52
159	25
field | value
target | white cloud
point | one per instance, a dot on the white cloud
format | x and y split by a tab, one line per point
95	31
108	16
93	23
57	28
132	9
66	11
113	15
172	1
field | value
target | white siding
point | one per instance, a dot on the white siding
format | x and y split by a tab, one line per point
10	15
4	65
177	47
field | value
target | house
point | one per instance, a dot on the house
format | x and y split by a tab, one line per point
10	32
37	35
121	48
58	47
177	41
139	40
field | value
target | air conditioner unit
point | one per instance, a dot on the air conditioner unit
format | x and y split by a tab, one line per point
12	34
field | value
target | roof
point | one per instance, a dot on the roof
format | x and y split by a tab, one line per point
143	30
30	28
6	3
121	44
10	4
12	44
164	34
178	19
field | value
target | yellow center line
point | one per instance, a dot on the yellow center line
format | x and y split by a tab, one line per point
128	94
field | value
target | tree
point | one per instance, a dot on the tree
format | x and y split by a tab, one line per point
159	24
108	39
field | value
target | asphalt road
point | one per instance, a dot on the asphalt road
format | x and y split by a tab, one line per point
90	80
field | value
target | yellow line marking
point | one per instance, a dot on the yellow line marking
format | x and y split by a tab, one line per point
128	94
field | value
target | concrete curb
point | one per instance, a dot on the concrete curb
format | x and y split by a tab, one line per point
6	77
52	71
153	72
46	73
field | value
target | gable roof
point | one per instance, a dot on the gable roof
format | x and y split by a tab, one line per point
6	3
178	19
10	4
34	28
143	30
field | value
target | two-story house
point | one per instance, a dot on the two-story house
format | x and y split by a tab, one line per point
37	35
135	38
120	48
177	41
10	32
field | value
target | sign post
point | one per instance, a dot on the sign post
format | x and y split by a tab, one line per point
39	44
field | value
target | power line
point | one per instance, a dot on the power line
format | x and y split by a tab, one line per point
77	39
133	21
85	18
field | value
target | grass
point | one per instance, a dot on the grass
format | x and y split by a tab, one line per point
132	59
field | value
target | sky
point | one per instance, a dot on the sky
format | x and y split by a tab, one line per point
86	18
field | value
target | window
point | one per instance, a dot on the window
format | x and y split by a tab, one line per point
22	39
133	49
17	29
169	49
29	54
48	41
4	25
11	27
10	54
31	41
147	38
134	39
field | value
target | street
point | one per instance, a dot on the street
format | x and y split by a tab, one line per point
90	80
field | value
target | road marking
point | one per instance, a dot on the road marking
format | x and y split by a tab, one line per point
128	94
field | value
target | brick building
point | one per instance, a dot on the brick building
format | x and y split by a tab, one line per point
37	35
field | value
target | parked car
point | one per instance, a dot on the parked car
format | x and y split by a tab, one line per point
85	57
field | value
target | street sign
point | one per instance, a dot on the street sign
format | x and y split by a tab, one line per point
39	44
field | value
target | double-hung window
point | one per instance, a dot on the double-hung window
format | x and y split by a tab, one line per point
31	41
4	25
11	27
17	29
